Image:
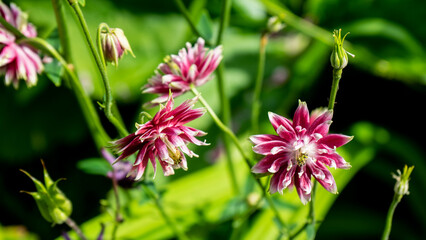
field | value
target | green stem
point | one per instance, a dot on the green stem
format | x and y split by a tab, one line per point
100	136
396	199
11	28
170	222
109	101
337	75
224	20
58	8
224	100
235	140
258	85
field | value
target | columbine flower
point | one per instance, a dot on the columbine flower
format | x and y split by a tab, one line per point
301	149
193	65
18	61
114	45
163	137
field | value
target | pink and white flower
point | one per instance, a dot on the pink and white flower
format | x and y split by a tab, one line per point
163	137
301	150
18	61
193	65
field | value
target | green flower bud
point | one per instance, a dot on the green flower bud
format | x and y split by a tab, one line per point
339	56
274	25
402	179
52	203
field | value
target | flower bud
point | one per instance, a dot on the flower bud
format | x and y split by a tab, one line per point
402	179
274	25
114	45
52	203
339	56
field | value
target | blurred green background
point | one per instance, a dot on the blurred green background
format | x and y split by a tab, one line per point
380	101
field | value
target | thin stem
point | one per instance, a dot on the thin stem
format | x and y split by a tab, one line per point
224	20
75	227
258	85
337	75
235	140
58	8
109	101
170	222
11	28
89	111
388	227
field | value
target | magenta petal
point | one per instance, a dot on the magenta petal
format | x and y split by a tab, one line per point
324	177
303	186
335	140
277	121
257	139
301	116
271	147
263	165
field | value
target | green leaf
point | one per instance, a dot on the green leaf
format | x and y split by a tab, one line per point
53	71
82	2
96	166
205	25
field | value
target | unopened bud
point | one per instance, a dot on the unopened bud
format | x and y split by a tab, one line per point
339	56
274	25
52	203
402	179
114	45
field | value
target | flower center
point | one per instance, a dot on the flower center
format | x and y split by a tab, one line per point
175	155
301	159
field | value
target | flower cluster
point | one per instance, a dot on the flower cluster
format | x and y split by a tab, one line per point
301	150
18	61
193	65
163	137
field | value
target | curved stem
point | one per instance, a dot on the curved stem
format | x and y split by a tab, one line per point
109	101
100	136
396	199
258	85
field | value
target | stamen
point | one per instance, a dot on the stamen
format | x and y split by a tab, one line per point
301	159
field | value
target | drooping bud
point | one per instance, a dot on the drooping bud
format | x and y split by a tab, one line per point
274	25
54	206
339	56
114	45
402	179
